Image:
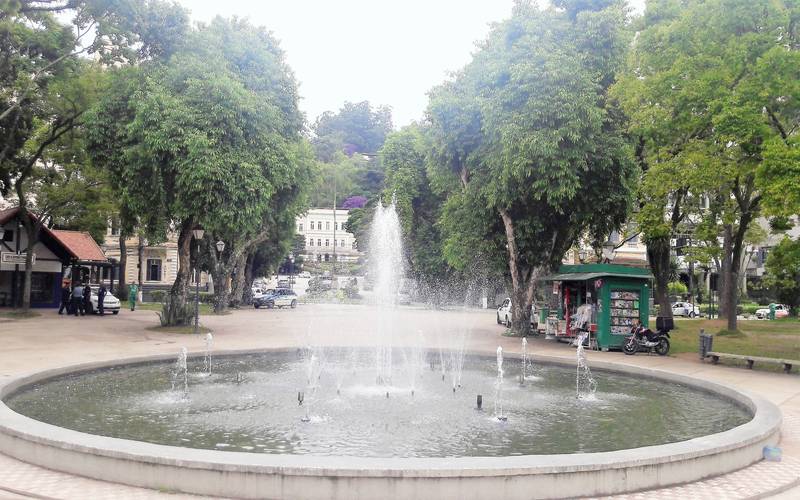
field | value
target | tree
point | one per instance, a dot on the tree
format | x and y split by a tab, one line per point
528	145
783	272
46	88
355	128
711	92
208	138
419	208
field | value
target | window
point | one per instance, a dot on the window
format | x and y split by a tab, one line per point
8	235
312	225
355	247
613	237
300	228
319	242
311	242
341	243
327	242
153	269
327	227
114	227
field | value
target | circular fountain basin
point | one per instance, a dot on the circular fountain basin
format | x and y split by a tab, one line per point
240	431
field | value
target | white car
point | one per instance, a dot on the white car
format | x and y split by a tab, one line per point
781	311
282	297
110	303
504	313
304	274
685	309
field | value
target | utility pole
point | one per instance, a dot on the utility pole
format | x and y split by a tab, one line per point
334	224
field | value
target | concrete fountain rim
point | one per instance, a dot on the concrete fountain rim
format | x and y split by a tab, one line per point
20	429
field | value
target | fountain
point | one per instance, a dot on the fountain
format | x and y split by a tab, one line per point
498	395
386	427
524	368
585	385
180	374
209	341
386	265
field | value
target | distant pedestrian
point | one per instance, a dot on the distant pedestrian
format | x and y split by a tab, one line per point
66	297
101	296
133	291
87	298
77	299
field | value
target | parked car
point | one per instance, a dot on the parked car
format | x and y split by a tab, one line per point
257	292
110	303
504	315
685	309
282	297
305	274
283	283
781	311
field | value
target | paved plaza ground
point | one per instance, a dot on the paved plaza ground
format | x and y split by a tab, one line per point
50	340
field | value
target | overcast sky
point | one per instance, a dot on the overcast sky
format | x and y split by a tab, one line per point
385	51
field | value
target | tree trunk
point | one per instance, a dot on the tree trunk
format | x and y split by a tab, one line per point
658	256
522	282
726	275
247	297
178	311
239	283
222	288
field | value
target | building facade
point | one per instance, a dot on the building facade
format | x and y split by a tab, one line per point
159	262
325	236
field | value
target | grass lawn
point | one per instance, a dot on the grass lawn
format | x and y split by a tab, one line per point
155	306
774	339
178	329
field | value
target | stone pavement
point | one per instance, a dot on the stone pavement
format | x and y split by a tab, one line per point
34	344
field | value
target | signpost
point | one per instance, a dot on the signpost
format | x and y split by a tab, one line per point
15	258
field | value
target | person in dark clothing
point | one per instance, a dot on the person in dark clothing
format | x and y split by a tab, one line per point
87	298
77	300
101	295
66	297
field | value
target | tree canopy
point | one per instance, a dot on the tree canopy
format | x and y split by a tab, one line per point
528	147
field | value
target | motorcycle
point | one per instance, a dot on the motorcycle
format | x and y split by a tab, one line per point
648	341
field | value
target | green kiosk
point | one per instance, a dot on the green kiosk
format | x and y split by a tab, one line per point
613	294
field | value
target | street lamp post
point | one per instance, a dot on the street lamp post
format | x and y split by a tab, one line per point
220	248
198	235
291	271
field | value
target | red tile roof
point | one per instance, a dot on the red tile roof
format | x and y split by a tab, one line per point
80	244
7	214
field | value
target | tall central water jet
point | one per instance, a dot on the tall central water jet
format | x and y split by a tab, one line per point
386	267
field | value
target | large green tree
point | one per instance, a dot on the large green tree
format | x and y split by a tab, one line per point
204	138
531	149
355	128
783	272
712	95
46	88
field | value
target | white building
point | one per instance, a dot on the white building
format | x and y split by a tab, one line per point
326	237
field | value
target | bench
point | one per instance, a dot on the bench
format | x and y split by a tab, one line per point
787	363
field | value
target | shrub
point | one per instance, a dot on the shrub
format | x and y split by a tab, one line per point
677	288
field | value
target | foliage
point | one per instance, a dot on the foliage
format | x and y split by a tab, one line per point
527	147
677	288
209	136
404	157
355	128
783	272
711	92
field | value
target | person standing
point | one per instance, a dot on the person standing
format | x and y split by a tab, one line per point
87	298
66	297
133	291
101	296
77	299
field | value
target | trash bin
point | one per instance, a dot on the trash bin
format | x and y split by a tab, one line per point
706	344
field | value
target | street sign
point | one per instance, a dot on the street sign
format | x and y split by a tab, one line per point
15	258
